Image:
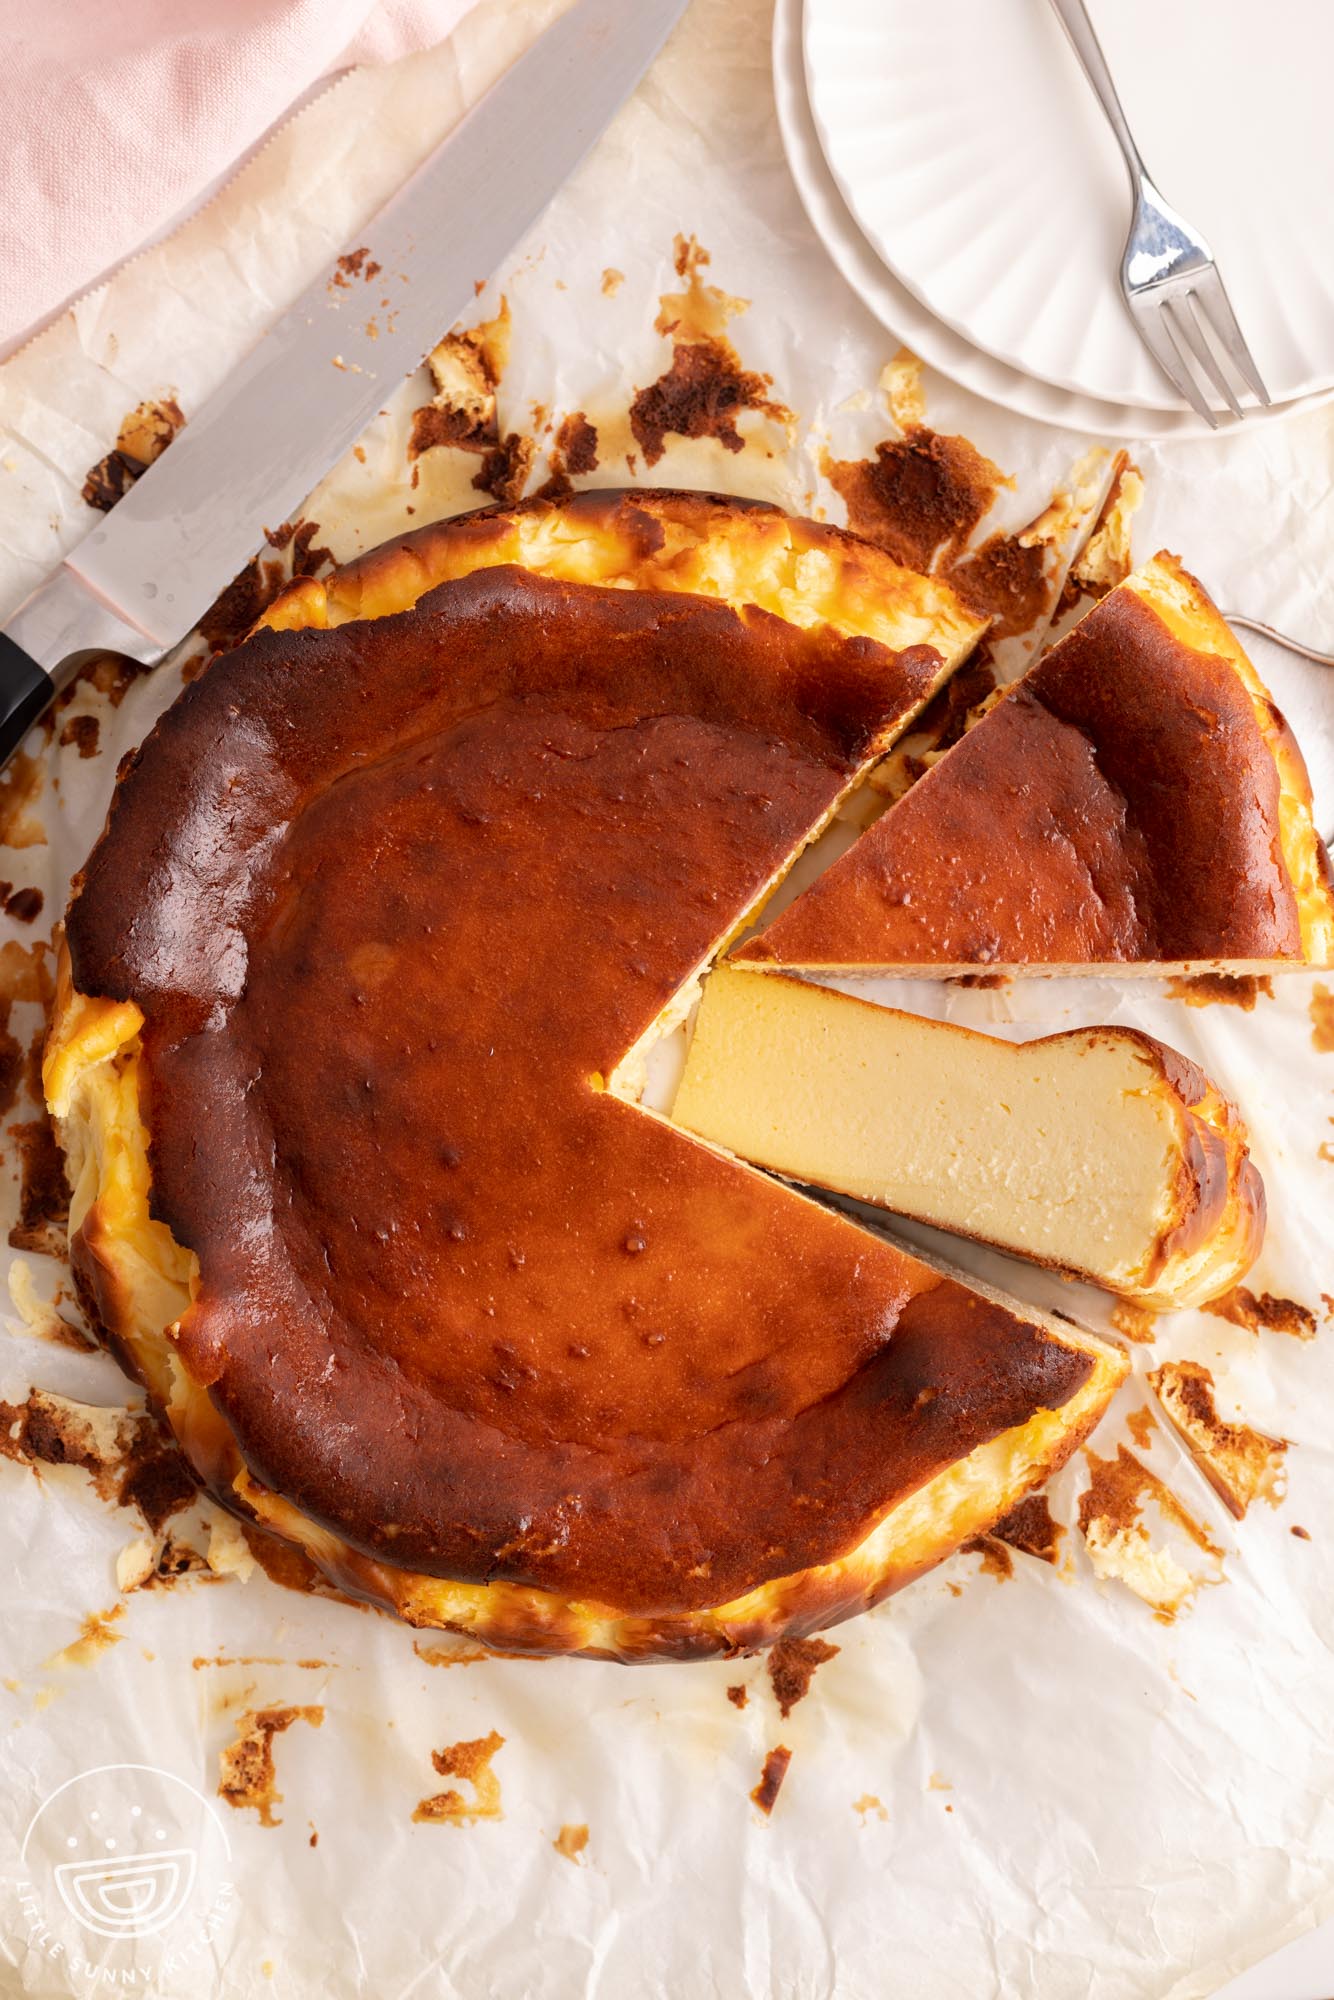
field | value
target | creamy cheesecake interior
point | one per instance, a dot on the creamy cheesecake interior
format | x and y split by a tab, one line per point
1078	1150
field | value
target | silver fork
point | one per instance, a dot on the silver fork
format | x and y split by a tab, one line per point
1169	280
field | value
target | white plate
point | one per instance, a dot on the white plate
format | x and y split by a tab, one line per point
899	310
973	155
895	306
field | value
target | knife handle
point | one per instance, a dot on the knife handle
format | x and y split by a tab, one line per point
26	692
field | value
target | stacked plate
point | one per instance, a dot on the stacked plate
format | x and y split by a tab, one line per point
962	177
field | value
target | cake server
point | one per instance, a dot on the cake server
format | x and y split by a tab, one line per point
140	581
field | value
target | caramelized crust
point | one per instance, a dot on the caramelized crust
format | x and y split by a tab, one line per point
1136	799
378	910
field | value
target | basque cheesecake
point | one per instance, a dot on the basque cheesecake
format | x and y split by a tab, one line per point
1098	1151
355	996
1136	800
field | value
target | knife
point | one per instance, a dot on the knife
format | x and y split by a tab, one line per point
139	582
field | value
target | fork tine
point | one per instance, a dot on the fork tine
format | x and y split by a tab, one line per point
1154	331
1189	322
1222	322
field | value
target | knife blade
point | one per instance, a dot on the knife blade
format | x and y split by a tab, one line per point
139	582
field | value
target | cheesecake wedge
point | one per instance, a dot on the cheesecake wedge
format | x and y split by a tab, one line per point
1136	801
1098	1151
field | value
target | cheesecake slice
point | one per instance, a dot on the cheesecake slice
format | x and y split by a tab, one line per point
1135	801
1099	1151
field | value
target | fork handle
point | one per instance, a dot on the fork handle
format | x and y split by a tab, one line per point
1074	18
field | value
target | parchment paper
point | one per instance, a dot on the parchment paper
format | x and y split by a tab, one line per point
1020	1786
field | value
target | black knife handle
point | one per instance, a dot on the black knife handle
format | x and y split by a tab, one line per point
26	692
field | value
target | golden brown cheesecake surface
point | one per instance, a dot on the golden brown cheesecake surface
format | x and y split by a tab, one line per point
380	910
1135	800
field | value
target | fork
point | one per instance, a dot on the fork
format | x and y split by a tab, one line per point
1169	280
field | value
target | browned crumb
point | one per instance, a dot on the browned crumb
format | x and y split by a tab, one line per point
1105	559
612	280
996	1558
110	674
466	368
505	467
43	1215
771	1778
128	1458
24	905
1118	1540
987	982
246	1775
737	1696
83	732
461	1653
706	387
1005	580
1228	989
791	1664
252	1660
701	395
1302	1534
230	617
21	784
1135	1322
1241	1464
1029	1527
919	497
1141	1426
144	436
1322	1018
577	442
1244	1309
95	1638
470	1761
571	1842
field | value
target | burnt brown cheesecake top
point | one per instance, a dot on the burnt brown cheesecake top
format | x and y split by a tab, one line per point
1136	798
395	899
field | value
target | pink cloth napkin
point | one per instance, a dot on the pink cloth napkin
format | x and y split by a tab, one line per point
116	118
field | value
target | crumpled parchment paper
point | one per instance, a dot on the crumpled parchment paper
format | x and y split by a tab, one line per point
1020	1784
